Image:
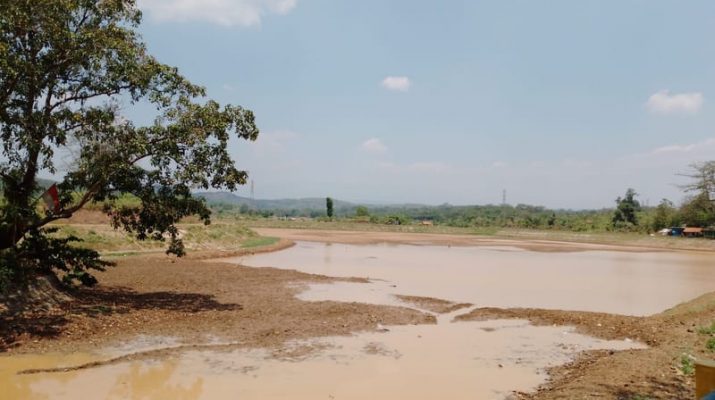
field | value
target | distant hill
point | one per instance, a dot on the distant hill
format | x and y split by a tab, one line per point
313	203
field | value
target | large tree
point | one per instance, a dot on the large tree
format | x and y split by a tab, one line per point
699	208
702	177
626	208
68	70
329	207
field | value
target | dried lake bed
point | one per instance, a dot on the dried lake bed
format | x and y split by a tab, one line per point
484	359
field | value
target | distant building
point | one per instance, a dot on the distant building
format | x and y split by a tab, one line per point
693	232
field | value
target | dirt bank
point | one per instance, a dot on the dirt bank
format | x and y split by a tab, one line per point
440	239
653	373
195	301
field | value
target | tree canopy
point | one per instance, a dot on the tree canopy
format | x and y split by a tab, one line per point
702	177
329	207
68	68
626	209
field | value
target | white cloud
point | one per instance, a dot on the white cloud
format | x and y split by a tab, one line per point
397	83
374	145
678	103
683	148
223	12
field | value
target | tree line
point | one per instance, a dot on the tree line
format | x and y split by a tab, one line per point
697	209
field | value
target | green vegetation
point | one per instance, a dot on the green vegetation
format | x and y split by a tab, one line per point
639	397
485	217
220	235
625	216
362	211
707	330
710	344
664	216
259	242
687	364
628	216
65	66
329	207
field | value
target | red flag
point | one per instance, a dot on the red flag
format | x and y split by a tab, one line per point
52	198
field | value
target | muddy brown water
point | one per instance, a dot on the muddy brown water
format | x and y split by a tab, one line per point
476	360
628	283
456	360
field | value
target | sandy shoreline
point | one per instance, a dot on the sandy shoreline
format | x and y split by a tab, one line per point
443	239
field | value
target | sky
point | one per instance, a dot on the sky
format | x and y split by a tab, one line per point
564	104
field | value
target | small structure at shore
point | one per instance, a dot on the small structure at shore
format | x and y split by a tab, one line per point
692	231
676	231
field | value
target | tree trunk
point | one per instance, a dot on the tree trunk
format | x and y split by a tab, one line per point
10	234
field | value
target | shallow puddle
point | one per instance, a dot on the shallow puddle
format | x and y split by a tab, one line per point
474	360
629	283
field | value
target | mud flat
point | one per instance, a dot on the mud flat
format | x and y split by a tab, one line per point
482	360
160	327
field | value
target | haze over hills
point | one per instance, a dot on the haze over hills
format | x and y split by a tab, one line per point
310	203
215	198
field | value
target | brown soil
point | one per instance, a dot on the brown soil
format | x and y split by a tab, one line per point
438	306
653	373
438	239
190	299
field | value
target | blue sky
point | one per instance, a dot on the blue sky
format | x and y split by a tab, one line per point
561	103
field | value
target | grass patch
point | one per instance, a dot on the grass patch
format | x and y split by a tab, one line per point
222	235
687	364
710	344
707	330
123	253
258	241
485	231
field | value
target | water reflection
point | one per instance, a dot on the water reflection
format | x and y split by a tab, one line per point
482	360
135	380
154	382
